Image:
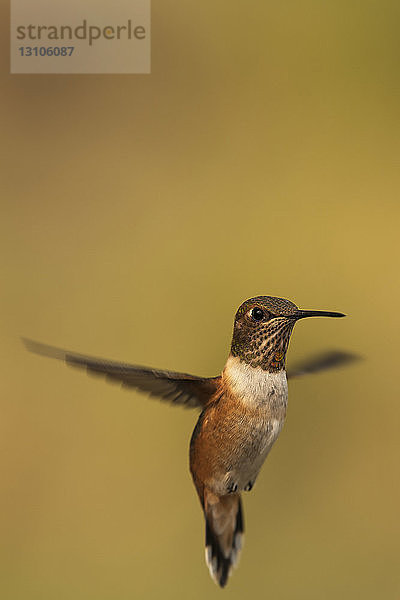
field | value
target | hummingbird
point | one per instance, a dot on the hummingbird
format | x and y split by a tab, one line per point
242	412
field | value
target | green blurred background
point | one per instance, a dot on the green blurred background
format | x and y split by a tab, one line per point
261	156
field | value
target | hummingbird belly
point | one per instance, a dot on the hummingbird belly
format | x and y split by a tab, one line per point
227	452
247	461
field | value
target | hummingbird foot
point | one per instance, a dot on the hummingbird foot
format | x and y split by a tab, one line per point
232	487
249	486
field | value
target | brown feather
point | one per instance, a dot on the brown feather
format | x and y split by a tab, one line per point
176	388
224	533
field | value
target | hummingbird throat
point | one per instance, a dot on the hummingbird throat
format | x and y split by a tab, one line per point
265	347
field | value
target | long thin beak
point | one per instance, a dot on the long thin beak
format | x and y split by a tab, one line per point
301	314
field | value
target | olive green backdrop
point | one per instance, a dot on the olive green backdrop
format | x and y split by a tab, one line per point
261	156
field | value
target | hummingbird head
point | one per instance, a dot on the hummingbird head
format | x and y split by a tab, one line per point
262	330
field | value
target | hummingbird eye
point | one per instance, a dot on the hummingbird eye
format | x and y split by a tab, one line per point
257	314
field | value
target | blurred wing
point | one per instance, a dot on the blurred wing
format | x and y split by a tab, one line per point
322	362
177	388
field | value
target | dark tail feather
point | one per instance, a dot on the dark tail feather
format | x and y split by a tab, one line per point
224	535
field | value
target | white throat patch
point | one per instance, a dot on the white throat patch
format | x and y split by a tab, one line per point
253	384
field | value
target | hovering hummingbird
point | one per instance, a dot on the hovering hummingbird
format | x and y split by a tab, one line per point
242	412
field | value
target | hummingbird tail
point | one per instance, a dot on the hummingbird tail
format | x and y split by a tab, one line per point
224	534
